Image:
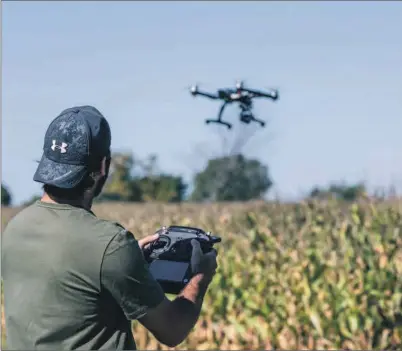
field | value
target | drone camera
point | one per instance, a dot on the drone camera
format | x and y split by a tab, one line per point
246	118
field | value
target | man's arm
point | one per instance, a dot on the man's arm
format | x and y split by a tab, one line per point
126	276
172	321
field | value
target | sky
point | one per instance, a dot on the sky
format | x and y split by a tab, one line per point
337	65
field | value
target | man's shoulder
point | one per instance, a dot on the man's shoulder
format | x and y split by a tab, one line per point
102	227
21	216
69	219
123	239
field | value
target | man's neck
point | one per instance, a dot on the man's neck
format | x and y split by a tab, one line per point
81	202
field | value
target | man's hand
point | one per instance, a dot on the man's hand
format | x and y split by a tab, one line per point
204	264
184	311
145	242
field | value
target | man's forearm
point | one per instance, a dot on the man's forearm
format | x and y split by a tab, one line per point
196	289
187	305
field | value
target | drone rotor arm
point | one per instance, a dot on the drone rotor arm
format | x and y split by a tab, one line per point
274	95
205	94
259	94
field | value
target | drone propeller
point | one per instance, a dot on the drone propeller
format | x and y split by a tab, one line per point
193	89
240	83
275	90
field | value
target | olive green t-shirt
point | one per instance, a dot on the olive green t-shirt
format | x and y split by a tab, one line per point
72	281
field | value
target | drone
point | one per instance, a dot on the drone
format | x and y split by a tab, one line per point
241	95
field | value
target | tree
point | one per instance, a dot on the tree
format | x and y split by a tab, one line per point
340	191
163	187
155	185
5	196
119	186
231	178
137	180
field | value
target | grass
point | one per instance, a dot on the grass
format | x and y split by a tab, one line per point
313	275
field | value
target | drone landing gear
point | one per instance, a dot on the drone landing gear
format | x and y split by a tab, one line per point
262	123
219	119
228	125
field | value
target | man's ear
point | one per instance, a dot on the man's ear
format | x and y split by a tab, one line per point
103	167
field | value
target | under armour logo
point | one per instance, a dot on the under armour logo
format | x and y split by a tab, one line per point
62	148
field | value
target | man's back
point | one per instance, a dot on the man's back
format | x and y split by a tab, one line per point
73	281
51	262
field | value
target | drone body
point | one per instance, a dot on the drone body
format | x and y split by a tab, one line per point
240	95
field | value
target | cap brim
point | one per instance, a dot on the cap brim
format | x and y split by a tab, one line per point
59	174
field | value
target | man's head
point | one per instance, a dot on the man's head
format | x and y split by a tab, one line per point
76	155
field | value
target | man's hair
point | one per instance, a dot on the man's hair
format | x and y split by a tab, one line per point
79	190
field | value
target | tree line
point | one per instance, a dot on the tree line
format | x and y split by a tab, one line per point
227	178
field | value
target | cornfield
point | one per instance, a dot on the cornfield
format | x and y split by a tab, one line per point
312	275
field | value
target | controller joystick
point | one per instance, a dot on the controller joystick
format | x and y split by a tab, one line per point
170	255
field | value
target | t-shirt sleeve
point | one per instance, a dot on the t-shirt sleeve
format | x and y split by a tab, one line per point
125	275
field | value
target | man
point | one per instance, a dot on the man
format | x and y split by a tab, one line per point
74	281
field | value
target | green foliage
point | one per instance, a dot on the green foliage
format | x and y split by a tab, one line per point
6	198
139	180
340	191
317	275
164	188
314	275
119	186
231	178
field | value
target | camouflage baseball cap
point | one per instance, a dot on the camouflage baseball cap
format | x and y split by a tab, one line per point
74	140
